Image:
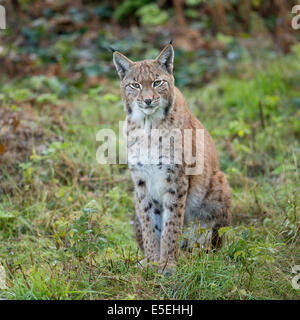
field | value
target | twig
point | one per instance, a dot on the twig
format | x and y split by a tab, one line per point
262	117
24	276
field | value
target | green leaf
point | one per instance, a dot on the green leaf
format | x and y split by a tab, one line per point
223	230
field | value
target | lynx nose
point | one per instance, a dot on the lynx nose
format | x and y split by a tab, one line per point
148	101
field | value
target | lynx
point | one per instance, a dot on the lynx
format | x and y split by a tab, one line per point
166	197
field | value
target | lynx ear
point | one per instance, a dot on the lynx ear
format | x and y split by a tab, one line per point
166	58
122	64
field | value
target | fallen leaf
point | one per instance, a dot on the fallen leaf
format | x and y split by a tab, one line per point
2	148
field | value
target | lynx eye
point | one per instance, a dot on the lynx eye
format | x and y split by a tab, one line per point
157	83
135	85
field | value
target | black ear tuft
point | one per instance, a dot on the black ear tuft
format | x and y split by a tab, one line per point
111	49
171	41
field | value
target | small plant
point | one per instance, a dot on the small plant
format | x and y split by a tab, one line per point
85	234
245	246
152	15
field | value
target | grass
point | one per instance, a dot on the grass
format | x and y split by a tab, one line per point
66	224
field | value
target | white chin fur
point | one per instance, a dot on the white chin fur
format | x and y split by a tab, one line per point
149	111
139	114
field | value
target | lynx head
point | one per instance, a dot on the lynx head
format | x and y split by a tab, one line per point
147	86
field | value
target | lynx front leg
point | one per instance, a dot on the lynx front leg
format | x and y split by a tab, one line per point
138	230
145	210
174	207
